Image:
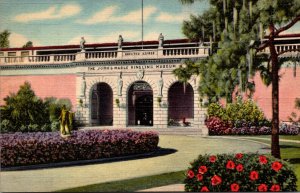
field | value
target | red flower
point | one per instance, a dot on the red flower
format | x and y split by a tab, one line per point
276	166
275	188
199	177
240	168
190	174
262	188
213	158
253	175
263	159
204	189
202	169
234	187
216	180
230	165
238	156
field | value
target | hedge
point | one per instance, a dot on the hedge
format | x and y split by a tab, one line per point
239	173
49	147
217	126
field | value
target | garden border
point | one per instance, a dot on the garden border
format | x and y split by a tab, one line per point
79	162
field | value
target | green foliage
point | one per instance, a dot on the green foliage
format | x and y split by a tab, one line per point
235	26
4	39
247	111
55	105
29	44
239	172
25	112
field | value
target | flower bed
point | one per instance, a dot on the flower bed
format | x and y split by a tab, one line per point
239	173
48	147
216	126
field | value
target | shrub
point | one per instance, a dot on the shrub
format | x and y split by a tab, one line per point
289	129
217	126
25	112
234	113
240	172
24	109
48	147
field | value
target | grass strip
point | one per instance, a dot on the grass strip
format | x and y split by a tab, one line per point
134	184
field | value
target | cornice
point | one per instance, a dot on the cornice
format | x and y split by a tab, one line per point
95	63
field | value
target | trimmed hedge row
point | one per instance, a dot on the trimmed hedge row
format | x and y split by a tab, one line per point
239	173
49	147
217	126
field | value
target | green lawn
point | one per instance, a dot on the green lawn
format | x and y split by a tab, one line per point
132	185
290	137
289	151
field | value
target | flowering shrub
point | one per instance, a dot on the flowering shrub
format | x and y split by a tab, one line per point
239	173
247	111
216	126
48	147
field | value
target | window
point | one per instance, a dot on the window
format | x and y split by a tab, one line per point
25	53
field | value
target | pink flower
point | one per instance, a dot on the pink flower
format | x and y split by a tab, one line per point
213	158
216	180
262	188
190	174
253	175
230	165
276	166
234	187
239	167
202	169
238	156
263	159
204	189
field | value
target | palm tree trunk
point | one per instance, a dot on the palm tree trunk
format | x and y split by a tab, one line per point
275	148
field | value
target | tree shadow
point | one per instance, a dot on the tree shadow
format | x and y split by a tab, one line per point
293	160
159	152
289	146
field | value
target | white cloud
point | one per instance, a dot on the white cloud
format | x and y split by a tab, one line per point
136	16
101	16
51	13
171	18
107	15
19	40
109	38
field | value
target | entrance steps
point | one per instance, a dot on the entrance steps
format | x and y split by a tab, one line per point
162	131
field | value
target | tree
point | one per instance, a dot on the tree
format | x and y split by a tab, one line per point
29	44
24	109
4	39
238	27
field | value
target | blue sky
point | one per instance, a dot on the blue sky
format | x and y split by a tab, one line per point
58	22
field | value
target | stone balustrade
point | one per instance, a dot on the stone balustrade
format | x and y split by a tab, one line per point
181	52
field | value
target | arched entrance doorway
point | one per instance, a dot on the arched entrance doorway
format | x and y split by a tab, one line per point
102	105
181	104
140	104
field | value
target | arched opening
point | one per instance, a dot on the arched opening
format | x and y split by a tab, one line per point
102	105
181	104
140	104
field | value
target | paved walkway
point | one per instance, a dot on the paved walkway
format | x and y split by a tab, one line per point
168	188
188	148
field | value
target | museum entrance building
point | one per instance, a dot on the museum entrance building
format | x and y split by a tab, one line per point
116	85
119	85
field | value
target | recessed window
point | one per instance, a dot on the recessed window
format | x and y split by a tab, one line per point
24	54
